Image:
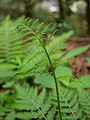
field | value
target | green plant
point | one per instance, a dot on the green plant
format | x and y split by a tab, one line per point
10	56
24	102
28	28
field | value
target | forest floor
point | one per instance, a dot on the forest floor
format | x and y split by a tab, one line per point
79	66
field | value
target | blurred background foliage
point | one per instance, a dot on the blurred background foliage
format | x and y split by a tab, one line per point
23	63
64	14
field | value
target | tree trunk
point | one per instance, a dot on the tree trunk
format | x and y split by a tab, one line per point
88	15
61	10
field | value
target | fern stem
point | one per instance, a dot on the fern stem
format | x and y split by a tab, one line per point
39	110
55	79
53	73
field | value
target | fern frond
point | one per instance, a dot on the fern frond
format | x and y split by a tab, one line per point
29	31
84	101
28	99
74	104
10	52
9	41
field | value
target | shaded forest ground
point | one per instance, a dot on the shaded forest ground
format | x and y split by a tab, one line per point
79	64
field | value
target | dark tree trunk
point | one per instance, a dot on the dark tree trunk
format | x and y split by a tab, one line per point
88	15
61	9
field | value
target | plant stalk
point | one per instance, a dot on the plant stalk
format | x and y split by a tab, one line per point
55	79
53	73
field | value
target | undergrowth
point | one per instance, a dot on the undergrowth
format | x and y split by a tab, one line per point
24	55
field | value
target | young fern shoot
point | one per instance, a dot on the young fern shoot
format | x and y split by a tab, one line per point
27	28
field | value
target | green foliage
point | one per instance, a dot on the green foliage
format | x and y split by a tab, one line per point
37	58
9	45
22	56
28	99
73	105
12	54
9	42
67	79
76	51
84	98
84	81
29	104
45	80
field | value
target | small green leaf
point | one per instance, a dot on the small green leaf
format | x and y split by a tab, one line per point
45	80
7	66
62	71
6	73
2	109
63	74
82	82
9	84
76	51
11	116
85	80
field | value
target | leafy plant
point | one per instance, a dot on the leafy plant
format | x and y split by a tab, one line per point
27	104
28	28
41	60
9	44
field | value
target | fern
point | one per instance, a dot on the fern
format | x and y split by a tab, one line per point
10	56
10	42
38	36
26	102
84	101
29	100
29	104
37	58
74	104
17	60
32	32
